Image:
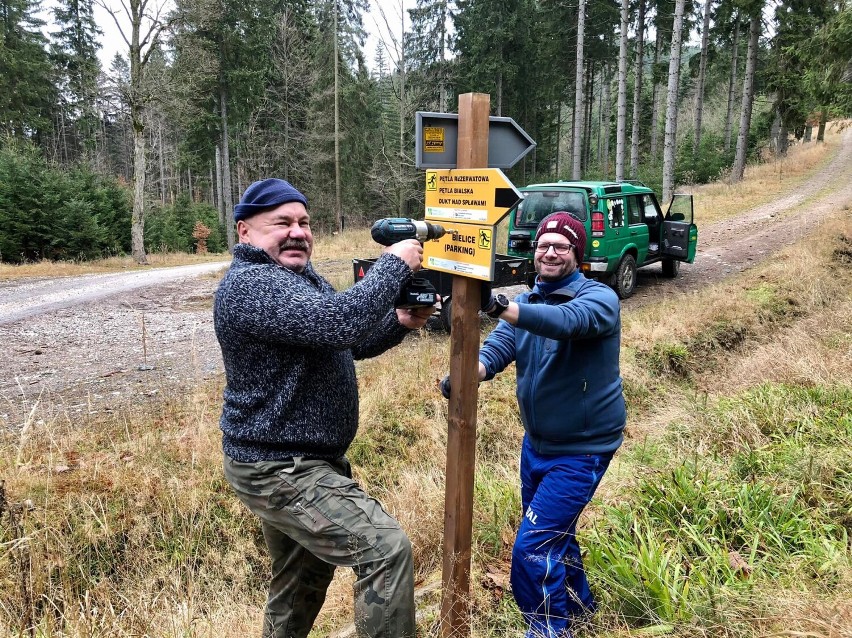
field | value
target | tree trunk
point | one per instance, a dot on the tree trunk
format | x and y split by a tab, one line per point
621	125
220	191
137	223
587	128
655	102
607	116
732	85
637	90
702	71
781	141
338	207
442	83
823	117
401	156
576	168
748	97
226	170
573	120
670	144
137	119
239	166
599	127
63	136
558	136
162	163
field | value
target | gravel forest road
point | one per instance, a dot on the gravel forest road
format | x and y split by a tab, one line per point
92	343
21	300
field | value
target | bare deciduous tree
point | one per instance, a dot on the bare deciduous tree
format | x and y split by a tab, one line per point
146	27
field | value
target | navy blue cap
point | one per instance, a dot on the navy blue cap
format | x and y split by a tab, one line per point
266	194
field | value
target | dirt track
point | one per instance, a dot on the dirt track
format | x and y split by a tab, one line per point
90	343
732	245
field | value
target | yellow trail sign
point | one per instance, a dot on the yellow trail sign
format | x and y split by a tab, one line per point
466	250
476	195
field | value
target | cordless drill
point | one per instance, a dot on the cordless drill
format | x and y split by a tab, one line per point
418	291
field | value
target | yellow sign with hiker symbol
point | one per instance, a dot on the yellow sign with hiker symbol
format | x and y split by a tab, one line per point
485	238
431	180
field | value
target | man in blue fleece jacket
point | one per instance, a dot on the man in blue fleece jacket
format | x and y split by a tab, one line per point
291	410
564	337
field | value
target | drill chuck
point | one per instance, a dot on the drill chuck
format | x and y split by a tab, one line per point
390	230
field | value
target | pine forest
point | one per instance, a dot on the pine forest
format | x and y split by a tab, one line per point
207	96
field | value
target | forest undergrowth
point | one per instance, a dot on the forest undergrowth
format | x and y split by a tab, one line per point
725	513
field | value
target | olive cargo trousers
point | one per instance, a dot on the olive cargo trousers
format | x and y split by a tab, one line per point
314	518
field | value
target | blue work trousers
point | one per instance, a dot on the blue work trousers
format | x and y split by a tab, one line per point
548	580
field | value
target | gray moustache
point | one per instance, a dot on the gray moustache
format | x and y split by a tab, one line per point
295	245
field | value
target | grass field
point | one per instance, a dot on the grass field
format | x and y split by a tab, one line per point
726	513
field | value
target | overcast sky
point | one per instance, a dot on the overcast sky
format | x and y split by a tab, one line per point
112	42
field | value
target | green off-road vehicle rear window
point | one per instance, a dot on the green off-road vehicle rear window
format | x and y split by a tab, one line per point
539	204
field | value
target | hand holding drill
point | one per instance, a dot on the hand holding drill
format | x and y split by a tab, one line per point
403	238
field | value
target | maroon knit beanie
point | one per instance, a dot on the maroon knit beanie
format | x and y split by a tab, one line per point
567	225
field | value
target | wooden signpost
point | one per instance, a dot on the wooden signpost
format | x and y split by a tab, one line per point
470	199
464	380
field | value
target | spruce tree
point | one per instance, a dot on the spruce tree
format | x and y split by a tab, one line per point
27	90
74	50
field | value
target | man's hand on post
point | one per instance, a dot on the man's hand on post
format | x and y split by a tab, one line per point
409	250
444	385
486	297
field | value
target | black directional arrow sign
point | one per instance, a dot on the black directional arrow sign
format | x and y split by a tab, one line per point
436	141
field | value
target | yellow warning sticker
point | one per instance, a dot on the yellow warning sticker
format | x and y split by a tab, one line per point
433	139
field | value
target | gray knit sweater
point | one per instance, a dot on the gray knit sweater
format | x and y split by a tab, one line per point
288	342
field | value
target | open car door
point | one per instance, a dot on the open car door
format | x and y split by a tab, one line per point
680	234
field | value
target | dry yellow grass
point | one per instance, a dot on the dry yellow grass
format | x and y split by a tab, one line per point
155	474
141	493
46	268
799	280
346	245
764	182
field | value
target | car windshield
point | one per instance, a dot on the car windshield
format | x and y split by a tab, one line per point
539	204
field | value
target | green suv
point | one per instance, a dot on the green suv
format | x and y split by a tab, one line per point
625	228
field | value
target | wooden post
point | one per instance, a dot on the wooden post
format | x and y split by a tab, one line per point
464	372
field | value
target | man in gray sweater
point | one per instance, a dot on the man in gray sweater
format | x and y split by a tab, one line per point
291	411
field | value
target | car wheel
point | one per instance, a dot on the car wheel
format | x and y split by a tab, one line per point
624	279
670	268
447	313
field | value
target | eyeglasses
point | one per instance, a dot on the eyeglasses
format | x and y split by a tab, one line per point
559	249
